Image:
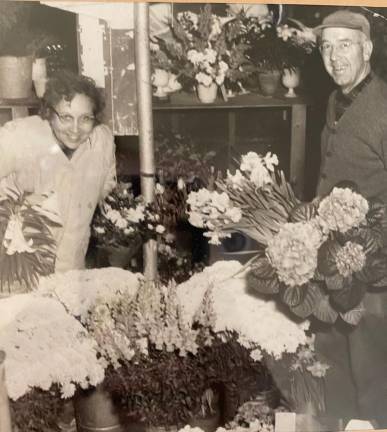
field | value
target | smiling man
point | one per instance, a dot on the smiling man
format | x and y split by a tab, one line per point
354	149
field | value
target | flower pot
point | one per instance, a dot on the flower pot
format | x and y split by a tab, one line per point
290	80
207	94
119	256
95	411
15	77
269	82
209	423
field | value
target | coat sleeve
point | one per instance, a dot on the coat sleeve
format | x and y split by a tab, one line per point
110	163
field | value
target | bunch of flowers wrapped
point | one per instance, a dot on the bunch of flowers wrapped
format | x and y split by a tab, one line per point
27	243
318	258
123	220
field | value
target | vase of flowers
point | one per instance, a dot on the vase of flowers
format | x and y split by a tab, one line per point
207	94
272	47
269	81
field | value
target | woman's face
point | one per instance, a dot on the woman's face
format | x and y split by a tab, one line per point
72	121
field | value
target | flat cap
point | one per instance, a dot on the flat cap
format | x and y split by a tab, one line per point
344	19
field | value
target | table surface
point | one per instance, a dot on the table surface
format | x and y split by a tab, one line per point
182	100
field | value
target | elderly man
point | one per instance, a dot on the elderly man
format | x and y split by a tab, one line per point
354	148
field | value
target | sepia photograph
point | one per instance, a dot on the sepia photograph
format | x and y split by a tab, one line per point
193	216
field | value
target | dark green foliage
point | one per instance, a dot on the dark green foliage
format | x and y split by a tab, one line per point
165	388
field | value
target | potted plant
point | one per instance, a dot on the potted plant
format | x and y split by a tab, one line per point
273	48
163	369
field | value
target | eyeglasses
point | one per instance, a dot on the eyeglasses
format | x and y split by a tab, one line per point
84	121
343	46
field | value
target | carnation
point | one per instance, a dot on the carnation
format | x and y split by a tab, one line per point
293	252
342	210
350	258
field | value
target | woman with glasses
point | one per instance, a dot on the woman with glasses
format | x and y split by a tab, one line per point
65	150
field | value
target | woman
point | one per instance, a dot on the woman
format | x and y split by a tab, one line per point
65	150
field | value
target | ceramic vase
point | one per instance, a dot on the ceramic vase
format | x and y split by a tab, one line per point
291	80
207	94
269	81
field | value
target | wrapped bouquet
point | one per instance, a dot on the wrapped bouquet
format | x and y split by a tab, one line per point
318	258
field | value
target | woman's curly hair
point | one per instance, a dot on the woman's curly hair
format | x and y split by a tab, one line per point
66	85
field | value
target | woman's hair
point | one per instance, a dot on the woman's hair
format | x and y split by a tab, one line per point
66	85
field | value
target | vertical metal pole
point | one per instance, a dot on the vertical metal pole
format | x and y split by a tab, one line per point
145	123
5	417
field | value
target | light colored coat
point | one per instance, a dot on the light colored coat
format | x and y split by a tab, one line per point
29	149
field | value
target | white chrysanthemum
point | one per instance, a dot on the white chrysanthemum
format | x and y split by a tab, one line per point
343	209
293	252
80	290
350	258
273	332
45	345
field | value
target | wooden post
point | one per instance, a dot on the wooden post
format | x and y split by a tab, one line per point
5	416
145	123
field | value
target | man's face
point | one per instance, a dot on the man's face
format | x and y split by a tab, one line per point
346	54
72	121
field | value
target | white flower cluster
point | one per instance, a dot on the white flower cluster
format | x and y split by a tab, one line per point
293	252
210	67
258	425
255	168
212	210
342	210
350	258
45	345
263	325
82	290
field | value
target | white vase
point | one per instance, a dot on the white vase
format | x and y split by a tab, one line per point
40	86
207	94
291	80
39	69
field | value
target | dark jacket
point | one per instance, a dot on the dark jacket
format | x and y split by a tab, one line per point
355	147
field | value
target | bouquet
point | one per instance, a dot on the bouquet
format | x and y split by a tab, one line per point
27	243
317	258
123	220
203	50
274	47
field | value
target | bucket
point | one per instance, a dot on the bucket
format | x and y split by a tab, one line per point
15	77
95	412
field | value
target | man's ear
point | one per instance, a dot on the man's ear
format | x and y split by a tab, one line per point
367	49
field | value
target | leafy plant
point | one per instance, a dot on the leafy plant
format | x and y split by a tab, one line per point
27	245
161	364
37	411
